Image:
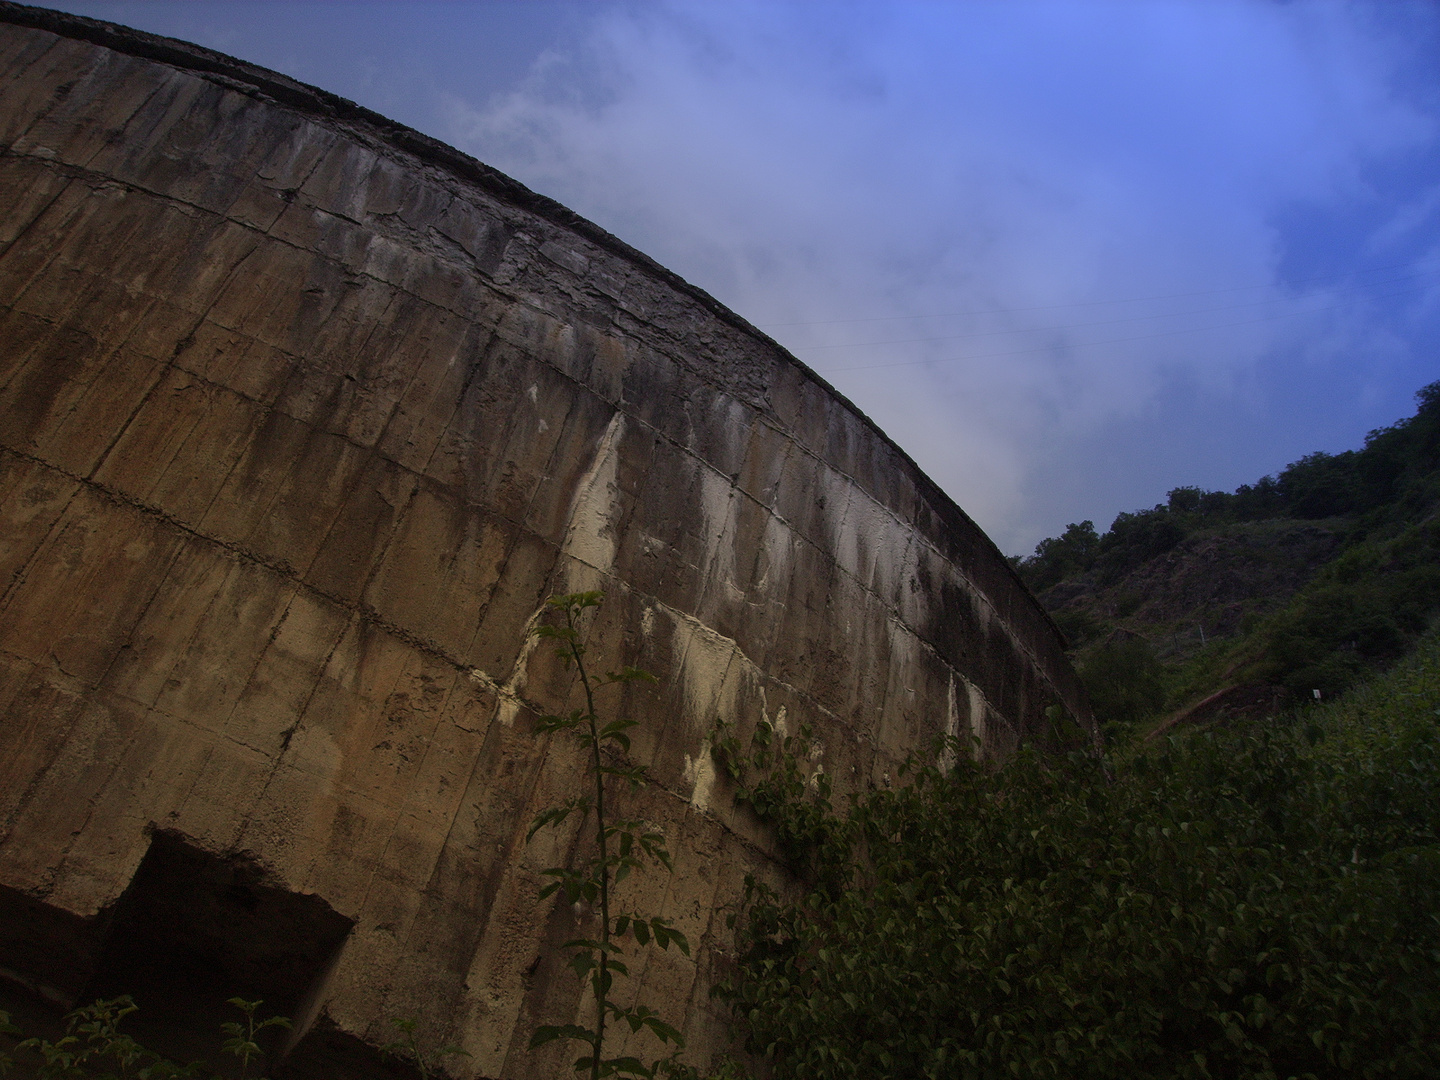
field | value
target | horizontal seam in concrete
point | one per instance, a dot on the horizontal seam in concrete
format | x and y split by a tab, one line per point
81	172
520	300
287	572
582	386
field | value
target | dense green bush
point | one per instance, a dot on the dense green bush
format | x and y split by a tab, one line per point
1362	612
1254	903
1125	681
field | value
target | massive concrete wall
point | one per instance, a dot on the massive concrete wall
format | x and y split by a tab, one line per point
303	417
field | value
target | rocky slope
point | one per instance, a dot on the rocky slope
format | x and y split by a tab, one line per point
1212	585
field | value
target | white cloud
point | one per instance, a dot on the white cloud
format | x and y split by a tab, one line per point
1016	163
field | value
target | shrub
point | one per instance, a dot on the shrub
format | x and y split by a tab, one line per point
1255	903
1125	681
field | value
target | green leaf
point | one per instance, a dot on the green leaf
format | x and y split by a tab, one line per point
617	728
556	815
549	1033
622	1066
666	1033
665	934
585	943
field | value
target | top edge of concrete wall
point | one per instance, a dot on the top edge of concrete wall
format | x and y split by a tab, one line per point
323	104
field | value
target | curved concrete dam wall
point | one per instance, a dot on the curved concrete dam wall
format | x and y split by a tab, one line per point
304	415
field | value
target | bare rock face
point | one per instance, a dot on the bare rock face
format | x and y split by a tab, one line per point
302	418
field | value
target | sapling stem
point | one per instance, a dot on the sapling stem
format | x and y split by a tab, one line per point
600	983
591	881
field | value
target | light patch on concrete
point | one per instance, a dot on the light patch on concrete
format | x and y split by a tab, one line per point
590	537
709	667
717	511
314	750
904	648
910	599
509	691
952	725
700	774
308	630
888	540
647	621
776	548
851	544
870	543
952	710
978	720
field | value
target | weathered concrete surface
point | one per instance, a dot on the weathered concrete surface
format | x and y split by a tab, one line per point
303	416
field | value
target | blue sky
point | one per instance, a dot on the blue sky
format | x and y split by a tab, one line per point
1069	255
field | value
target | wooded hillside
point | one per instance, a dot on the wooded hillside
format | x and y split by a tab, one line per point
1215	602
